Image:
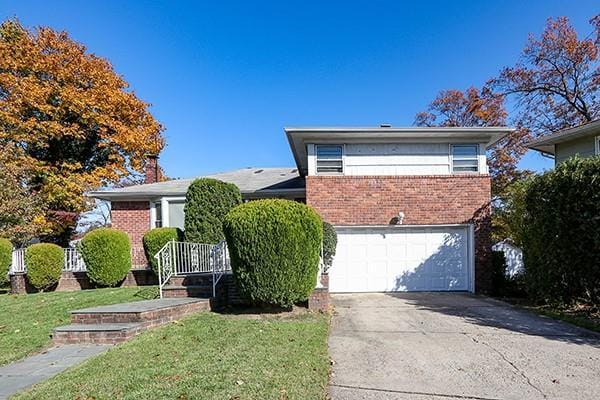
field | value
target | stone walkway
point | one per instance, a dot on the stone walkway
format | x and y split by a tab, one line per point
22	374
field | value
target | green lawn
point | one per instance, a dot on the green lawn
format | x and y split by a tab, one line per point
27	320
206	356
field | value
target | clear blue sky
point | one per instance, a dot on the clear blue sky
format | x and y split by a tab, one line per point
226	77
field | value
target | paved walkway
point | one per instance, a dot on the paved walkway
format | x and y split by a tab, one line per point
22	374
456	346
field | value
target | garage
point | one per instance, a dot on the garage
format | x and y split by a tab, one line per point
402	258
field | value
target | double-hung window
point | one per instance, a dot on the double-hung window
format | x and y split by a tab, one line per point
464	158
329	159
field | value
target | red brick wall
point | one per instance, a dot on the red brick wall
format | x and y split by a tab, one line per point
425	200
132	217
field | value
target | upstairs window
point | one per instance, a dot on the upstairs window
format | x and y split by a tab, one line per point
464	158
329	159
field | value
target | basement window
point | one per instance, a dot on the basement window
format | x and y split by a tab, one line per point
329	159
464	158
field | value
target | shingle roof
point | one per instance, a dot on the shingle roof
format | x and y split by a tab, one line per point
251	181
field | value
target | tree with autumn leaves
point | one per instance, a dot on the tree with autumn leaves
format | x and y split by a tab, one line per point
68	124
554	85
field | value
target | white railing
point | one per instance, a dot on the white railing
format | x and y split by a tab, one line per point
184	258
17	265
73	260
221	263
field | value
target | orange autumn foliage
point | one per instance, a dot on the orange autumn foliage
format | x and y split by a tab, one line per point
68	119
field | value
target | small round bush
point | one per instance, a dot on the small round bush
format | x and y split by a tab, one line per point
206	203
5	260
274	247
155	239
329	244
44	263
107	255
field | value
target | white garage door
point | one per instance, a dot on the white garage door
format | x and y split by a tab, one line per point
401	259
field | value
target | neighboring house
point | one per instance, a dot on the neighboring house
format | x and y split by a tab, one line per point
411	205
583	140
513	256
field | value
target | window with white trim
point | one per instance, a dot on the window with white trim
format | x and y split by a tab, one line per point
464	158
158	215
330	159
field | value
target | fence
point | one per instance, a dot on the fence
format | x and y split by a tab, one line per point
73	260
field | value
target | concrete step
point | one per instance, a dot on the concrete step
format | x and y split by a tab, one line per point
191	280
182	291
158	310
95	333
119	322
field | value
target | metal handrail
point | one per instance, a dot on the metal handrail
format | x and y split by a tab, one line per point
184	258
165	268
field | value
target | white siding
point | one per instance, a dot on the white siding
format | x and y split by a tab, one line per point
396	159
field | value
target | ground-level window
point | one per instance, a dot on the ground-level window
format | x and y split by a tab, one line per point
464	158
169	213
598	145
329	159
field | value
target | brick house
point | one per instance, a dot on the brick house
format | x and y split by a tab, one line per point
411	205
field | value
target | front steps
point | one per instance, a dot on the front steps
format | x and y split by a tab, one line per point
119	322
191	285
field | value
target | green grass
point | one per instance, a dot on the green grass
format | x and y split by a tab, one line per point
584	316
27	320
206	356
585	320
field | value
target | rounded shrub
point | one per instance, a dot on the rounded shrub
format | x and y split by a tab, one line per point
107	255
329	243
206	203
155	239
5	260
274	247
44	264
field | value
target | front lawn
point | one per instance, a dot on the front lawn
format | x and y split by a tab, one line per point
27	320
206	356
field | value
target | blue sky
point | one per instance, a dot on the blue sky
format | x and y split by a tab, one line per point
225	77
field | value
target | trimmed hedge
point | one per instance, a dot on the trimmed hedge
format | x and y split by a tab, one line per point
274	247
107	255
44	264
206	203
155	239
561	233
5	259
329	243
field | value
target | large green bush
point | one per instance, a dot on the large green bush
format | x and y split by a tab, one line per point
5	260
44	263
156	238
561	233
206	203
107	255
275	248
329	243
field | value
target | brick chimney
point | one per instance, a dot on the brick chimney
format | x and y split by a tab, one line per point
152	171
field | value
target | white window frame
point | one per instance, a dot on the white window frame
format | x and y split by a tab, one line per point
476	159
164	206
597	145
342	159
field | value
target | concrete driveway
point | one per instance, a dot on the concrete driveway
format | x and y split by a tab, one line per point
456	346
